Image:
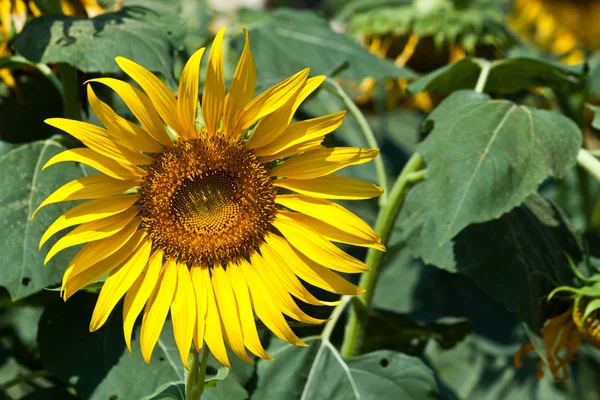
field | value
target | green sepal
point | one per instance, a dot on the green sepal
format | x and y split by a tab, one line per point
590	308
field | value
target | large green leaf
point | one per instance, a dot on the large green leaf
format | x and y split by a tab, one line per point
24	187
138	33
484	157
505	76
289	41
319	372
99	366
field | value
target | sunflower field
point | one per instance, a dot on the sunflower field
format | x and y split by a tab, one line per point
299	199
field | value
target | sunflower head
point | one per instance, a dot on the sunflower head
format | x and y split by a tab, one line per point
214	224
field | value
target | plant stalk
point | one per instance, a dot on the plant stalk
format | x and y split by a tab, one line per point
356	324
70	84
194	381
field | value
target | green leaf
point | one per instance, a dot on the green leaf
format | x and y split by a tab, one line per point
25	186
168	391
300	39
484	157
506	76
54	393
212	381
91	45
319	372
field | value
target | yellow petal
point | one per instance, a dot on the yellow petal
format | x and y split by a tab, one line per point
102	267
315	247
266	308
138	294
213	334
157	308
123	131
316	163
310	271
283	299
276	265
332	187
302	131
94	230
103	164
161	97
241	89
314	144
98	140
201	305
89	211
187	97
88	187
118	282
183	312
141	107
272	126
213	97
270	100
228	309
333	233
240	289
97	251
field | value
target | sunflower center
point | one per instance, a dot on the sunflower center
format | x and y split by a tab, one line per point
207	201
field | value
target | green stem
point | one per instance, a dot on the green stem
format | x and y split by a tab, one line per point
191	374
70	83
384	225
336	89
47	72
483	75
589	163
194	387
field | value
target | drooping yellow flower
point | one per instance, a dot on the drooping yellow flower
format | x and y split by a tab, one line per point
214	223
564	27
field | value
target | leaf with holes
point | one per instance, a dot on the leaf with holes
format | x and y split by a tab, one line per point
319	372
484	157
24	187
300	39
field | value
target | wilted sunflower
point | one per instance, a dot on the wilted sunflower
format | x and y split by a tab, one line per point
214	223
567	28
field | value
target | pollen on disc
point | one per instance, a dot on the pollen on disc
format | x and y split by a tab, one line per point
207	201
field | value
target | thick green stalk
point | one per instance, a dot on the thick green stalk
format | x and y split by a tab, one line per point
194	385
70	83
385	222
191	374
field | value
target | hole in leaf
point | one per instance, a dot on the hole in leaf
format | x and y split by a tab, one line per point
384	362
25	281
161	359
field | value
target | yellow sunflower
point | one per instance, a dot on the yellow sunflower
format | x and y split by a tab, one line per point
214	223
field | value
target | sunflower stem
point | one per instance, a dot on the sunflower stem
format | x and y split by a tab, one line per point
70	84
332	86
356	325
198	389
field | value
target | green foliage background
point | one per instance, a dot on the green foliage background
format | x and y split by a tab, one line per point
475	249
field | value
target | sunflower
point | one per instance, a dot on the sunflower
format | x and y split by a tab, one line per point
565	28
214	222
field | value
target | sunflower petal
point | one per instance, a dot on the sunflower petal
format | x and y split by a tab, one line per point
314	246
266	309
161	97
87	212
309	271
97	270
140	106
313	144
332	187
240	289
201	305
241	89
118	282
333	233
138	294
187	97
313	164
213	97
270	100
102	163
157	308
228	309
122	130
183	312
94	230
302	131
88	187
214	326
